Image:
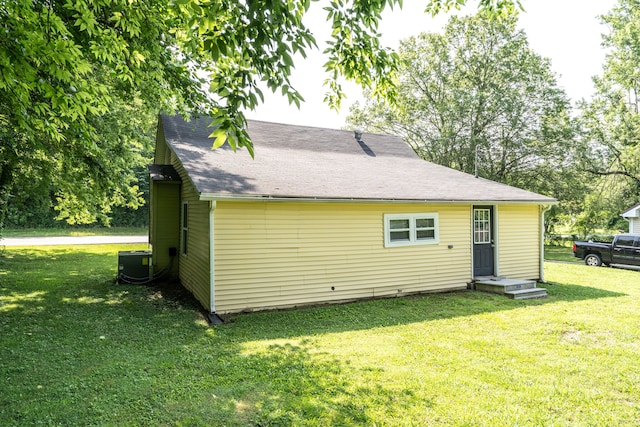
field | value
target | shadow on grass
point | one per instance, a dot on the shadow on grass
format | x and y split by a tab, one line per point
369	314
79	349
87	278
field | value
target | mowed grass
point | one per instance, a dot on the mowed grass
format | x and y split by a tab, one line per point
560	253
72	231
77	349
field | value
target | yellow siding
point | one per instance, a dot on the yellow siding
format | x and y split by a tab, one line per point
271	254
164	224
519	241
194	267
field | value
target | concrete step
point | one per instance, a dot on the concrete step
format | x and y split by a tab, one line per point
527	293
512	288
501	286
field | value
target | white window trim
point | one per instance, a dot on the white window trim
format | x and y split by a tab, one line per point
413	240
487	232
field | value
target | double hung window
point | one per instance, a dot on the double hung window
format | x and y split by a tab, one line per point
410	229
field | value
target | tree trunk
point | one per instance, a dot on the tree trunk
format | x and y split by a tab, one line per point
6	181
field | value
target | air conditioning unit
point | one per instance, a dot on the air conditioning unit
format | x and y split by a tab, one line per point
134	267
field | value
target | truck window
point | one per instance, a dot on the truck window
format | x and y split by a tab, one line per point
625	241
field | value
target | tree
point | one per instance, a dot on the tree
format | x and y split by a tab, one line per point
79	82
478	91
611	121
69	69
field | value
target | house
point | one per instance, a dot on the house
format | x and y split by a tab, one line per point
633	216
322	216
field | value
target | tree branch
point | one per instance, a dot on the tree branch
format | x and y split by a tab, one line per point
634	178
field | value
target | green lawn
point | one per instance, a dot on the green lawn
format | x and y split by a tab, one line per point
77	349
560	253
73	231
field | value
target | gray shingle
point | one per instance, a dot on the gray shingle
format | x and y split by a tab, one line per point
308	162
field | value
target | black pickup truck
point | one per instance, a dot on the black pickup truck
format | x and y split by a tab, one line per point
625	250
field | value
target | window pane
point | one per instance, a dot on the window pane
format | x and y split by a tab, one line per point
481	226
426	234
399	236
410	229
185	227
625	241
185	214
184	241
399	224
424	222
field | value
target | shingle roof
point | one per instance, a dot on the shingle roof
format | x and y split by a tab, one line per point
308	162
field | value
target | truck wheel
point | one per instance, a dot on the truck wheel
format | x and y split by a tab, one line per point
593	260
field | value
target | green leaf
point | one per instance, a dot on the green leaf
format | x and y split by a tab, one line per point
219	138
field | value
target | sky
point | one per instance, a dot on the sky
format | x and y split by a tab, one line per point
568	32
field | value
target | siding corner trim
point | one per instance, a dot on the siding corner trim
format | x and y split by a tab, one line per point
212	270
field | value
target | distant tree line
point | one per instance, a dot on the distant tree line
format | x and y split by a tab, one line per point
37	210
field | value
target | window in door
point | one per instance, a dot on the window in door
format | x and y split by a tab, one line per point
482	225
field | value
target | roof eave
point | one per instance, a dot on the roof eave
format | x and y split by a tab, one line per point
307	199
632	212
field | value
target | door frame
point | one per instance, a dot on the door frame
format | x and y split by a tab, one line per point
493	237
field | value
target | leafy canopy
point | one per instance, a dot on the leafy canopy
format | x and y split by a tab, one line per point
478	93
611	123
80	79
